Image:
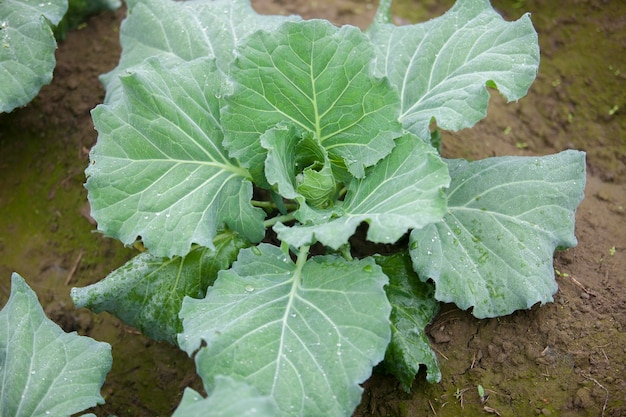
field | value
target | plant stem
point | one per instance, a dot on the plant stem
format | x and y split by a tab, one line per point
345	252
383	14
271	222
302	257
270	205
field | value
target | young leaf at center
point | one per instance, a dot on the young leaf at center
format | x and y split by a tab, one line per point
306	334
298	166
402	192
319	78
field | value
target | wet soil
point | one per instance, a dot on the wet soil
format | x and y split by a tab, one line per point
567	358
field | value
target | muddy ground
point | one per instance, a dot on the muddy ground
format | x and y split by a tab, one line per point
567	358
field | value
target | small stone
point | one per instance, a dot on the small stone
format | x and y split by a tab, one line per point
583	399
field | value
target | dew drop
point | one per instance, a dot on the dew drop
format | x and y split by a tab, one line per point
249	288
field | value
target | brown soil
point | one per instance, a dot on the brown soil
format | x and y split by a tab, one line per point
567	358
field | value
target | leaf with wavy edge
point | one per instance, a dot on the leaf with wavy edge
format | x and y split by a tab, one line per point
159	170
147	292
43	370
317	77
442	67
413	307
506	216
27	48
229	398
177	31
306	334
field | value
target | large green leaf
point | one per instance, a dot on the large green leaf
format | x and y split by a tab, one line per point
506	216
27	48
306	334
413	307
229	398
319	78
147	292
402	192
158	169
43	370
176	31
441	67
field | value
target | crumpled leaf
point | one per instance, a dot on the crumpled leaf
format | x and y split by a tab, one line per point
27	48
317	77
147	292
158	169
413	307
506	215
402	192
306	334
177	31
298	167
229	398
43	370
442	67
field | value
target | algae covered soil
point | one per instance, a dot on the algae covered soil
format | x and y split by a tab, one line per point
567	358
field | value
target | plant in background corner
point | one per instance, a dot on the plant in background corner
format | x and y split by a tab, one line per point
27	43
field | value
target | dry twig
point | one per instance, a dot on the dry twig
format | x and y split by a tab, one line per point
74	268
606	397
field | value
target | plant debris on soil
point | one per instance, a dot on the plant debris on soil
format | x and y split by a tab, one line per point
567	358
